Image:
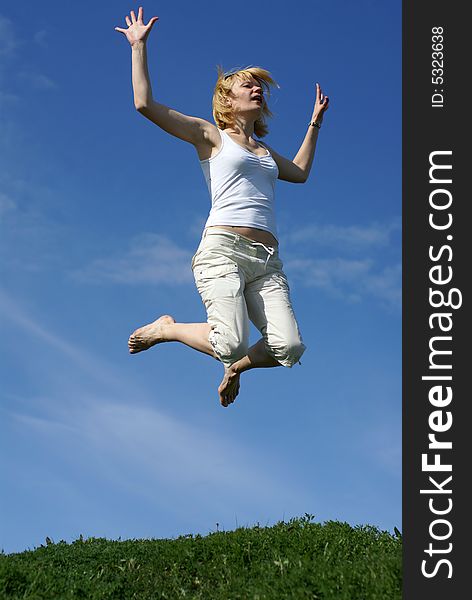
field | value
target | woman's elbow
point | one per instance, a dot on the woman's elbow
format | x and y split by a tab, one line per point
301	178
300	175
140	106
298	178
142	103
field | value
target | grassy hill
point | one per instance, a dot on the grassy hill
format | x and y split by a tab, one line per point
295	560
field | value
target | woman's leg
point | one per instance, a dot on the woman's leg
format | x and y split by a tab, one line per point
195	335
257	357
165	329
270	309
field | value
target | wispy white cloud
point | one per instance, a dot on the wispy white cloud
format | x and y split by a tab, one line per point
344	238
326	272
357	262
142	450
386	285
10	41
99	370
150	258
349	279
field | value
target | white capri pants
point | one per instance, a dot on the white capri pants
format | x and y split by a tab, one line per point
241	280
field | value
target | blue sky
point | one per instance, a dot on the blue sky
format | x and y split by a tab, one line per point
101	212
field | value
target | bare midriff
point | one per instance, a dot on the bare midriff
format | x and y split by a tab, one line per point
258	235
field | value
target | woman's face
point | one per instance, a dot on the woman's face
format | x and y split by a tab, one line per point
247	96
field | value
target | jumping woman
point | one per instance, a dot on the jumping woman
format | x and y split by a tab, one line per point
237	268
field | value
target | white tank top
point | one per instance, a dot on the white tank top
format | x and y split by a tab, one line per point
241	186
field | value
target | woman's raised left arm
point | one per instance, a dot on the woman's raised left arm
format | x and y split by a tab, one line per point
298	169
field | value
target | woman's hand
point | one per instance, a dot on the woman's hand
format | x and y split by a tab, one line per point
137	31
321	105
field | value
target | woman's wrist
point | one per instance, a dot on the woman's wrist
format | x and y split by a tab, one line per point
138	44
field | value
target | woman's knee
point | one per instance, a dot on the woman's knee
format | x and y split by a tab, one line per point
289	352
227	347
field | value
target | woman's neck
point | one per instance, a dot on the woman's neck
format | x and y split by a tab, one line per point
243	128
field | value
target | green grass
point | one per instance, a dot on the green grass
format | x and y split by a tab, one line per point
295	560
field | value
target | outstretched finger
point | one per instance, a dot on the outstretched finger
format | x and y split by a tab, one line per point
133	16
140	15
318	91
120	30
152	21
128	21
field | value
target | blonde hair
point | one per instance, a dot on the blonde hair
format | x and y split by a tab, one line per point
223	114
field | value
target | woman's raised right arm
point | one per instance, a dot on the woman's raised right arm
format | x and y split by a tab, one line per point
190	129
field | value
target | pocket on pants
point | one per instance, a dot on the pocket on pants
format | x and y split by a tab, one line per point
216	277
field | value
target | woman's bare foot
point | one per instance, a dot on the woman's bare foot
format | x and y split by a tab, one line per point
149	335
229	387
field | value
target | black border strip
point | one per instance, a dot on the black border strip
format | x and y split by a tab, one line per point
436	270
